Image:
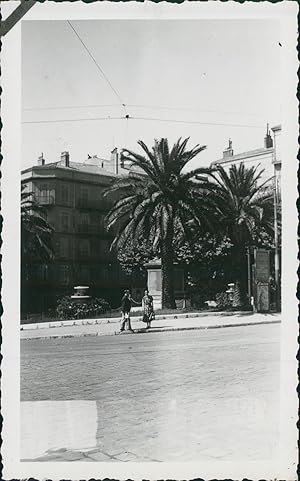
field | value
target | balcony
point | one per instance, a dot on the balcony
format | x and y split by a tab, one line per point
44	199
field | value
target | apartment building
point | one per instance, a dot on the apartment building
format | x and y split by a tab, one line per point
263	264
267	157
72	194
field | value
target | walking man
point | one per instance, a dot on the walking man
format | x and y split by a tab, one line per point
125	310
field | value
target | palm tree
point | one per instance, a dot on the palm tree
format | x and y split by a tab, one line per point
36	233
243	206
153	204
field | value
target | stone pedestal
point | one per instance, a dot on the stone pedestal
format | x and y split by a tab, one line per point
80	294
263	297
155	283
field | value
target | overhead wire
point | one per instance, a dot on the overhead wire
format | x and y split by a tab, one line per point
196	122
139	106
70	120
189	109
123	105
98	67
66	107
129	117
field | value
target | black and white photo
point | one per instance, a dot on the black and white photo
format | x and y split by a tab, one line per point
153	196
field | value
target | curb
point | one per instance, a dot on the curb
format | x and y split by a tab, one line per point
109	320
115	320
144	331
201	328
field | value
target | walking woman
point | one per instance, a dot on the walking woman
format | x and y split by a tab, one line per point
147	303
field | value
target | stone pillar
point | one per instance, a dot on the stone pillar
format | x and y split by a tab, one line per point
155	283
262	280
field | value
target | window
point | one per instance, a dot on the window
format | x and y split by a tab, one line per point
84	274
65	194
104	248
63	274
84	193
84	247
84	219
45	195
65	221
101	223
40	272
64	247
84	223
44	189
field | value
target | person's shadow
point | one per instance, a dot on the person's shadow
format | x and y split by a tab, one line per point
151	329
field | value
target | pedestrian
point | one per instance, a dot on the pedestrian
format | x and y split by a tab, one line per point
147	303
125	311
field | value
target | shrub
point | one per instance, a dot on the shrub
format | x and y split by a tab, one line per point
222	300
67	309
201	295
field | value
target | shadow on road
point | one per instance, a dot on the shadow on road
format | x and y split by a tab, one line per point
242	314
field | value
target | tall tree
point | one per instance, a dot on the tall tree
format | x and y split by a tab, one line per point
36	233
162	197
243	205
134	254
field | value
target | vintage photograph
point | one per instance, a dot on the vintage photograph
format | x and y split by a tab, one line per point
151	240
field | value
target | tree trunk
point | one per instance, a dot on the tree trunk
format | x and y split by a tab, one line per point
167	270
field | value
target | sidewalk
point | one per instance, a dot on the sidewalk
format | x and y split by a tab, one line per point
162	323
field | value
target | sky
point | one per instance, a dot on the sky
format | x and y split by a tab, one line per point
209	80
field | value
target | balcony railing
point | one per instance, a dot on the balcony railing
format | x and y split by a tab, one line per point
44	199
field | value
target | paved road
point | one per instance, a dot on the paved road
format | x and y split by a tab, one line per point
164	396
140	365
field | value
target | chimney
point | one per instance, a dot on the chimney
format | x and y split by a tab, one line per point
41	160
65	159
268	142
115	160
229	151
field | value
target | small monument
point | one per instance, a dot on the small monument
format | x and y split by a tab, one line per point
80	294
155	283
230	292
262	272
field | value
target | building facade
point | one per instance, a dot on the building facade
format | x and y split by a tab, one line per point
72	195
267	158
263	265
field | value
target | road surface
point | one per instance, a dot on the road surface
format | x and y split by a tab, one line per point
164	396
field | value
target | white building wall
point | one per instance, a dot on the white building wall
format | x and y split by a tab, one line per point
268	160
262	161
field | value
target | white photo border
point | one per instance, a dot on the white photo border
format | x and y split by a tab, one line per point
286	465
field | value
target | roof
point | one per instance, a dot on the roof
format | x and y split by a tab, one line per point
76	166
276	128
244	155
